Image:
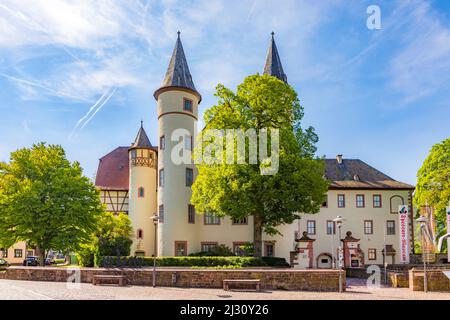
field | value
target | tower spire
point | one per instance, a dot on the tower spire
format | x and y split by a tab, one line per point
178	74
142	140
273	65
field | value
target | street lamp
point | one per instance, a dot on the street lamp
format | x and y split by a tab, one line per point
423	224
155	219
339	221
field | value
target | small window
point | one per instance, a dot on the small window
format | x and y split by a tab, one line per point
18	253
390	227
368	227
372	254
311	227
208	246
331	227
191	214
180	248
211	219
161	213
189	177
325	203
188	142
139	254
162	143
161	178
341	200
377	200
140	234
141	192
240	221
360	201
133	154
269	249
5	253
187	105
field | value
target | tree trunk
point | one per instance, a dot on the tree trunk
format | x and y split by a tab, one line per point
41	254
257	235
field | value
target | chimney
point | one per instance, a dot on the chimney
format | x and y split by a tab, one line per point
339	158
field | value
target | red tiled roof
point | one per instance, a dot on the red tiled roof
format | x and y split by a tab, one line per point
113	170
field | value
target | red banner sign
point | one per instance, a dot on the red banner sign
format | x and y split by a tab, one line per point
403	217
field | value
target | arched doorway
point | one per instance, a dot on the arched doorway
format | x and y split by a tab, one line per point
324	261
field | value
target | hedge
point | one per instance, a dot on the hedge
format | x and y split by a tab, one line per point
192	262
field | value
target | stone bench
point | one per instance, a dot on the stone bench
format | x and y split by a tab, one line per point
226	283
96	279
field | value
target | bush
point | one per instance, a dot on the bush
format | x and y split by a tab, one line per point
182	261
275	262
219	251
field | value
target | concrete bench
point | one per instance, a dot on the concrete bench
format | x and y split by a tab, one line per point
98	279
226	283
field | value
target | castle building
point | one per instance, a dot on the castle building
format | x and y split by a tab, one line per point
142	180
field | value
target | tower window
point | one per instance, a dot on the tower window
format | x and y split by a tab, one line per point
140	234
162	143
191	214
161	178
187	105
141	192
161	213
189	177
133	154
188	142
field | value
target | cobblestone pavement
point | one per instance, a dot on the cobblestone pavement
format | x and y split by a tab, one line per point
356	290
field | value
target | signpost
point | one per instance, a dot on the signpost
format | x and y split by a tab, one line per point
403	216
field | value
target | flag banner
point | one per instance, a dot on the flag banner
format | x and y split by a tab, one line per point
403	216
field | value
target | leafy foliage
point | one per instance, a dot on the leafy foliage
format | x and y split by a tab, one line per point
239	190
219	251
46	201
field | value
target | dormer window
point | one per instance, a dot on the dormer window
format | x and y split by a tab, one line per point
187	105
356	177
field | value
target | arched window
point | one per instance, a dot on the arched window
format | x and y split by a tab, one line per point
141	192
395	202
140	234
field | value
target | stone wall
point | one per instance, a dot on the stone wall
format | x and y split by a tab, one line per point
272	279
436	280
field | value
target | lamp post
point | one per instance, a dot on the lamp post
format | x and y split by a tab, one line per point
423	223
339	220
155	219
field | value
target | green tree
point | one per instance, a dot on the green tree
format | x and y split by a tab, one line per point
240	190
433	181
46	201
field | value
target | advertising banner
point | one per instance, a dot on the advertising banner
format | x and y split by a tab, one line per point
403	217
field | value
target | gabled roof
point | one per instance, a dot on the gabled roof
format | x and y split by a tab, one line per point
178	74
356	174
142	140
113	170
273	65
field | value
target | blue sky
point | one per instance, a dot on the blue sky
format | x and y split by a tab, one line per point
382	96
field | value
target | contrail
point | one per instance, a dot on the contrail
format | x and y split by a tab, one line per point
99	108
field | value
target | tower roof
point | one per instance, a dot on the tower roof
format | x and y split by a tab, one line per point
178	74
273	65
142	140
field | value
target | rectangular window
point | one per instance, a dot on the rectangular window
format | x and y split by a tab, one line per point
188	142
360	201
161	178
368	227
5	253
187	105
162	143
331	227
140	192
180	248
191	213
18	253
239	248
325	203
161	213
311	227
269	249
211	219
208	246
372	254
240	221
377	200
341	200
390	227
189	177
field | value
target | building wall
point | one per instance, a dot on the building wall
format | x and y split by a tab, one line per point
175	195
22	249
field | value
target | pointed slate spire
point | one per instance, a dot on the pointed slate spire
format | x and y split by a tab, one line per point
273	65
178	73
142	140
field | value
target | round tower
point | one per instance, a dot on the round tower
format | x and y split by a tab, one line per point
177	104
142	194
